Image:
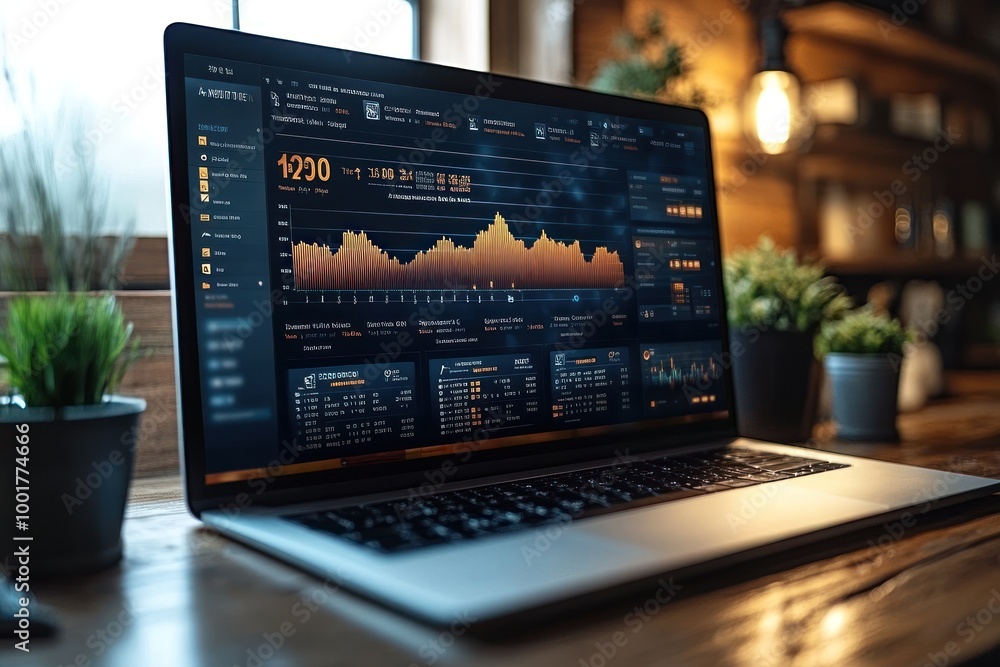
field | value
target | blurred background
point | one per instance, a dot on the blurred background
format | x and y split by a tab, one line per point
863	134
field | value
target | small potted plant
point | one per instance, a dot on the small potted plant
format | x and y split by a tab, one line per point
862	354
774	305
69	441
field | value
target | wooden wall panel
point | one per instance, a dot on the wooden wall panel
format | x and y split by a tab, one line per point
147	266
595	23
150	378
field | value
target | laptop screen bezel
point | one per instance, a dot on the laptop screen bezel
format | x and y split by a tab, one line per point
183	39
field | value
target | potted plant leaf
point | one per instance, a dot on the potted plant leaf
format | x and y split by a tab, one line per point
862	354
774	304
71	440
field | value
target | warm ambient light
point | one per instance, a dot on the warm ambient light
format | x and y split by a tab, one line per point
772	102
774	115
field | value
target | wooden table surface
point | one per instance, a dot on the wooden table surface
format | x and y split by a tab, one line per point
927	594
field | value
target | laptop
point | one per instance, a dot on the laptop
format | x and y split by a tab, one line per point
456	342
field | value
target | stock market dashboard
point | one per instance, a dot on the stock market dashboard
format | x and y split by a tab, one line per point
388	272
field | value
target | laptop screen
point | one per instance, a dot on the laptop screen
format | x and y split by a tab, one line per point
386	271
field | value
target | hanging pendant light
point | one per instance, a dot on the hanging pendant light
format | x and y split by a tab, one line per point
773	108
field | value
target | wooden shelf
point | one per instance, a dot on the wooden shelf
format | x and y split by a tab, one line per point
856	156
899	264
838	38
860	26
982	355
843	140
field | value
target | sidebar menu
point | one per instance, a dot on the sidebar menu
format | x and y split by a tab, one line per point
229	239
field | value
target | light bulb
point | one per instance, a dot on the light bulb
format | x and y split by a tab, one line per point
772	110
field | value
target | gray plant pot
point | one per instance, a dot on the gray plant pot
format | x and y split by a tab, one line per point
865	390
79	465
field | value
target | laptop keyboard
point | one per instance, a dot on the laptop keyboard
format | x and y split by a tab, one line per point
449	516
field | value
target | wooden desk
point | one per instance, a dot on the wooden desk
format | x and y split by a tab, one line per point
892	596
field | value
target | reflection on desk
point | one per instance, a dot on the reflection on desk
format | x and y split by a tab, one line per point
895	595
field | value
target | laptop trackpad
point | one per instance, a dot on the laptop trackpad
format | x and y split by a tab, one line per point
735	519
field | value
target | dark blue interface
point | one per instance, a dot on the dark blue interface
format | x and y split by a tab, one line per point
387	272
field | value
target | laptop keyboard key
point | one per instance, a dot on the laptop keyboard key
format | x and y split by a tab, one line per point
738	483
765	476
712	488
782	467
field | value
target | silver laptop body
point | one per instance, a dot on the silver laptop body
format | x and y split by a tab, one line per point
394	280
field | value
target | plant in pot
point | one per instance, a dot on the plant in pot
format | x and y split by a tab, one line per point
70	457
862	354
774	304
68	442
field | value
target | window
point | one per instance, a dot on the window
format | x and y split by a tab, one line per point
103	59
385	27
